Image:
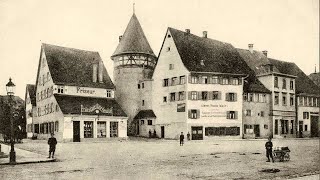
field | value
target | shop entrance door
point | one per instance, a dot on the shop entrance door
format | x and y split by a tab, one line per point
76	131
162	131
256	129
314	126
197	133
113	129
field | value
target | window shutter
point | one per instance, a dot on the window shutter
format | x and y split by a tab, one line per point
169	82
227	96
65	90
189	114
198	113
240	81
189	95
177	96
236	114
210	94
228	115
235	96
209	79
219	95
189	79
199	95
200	79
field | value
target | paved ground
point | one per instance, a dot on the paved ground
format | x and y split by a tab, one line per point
164	159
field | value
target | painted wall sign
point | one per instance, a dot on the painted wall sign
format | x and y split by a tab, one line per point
83	90
96	107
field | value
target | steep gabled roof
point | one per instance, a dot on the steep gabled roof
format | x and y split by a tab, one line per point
148	113
70	66
73	104
31	89
133	40
217	56
256	60
304	85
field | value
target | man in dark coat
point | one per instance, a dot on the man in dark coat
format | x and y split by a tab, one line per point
269	146
52	145
181	139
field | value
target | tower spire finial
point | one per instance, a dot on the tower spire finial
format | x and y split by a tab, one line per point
134	7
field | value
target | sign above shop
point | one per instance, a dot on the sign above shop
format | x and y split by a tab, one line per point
82	90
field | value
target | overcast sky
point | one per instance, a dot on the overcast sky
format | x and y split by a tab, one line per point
288	29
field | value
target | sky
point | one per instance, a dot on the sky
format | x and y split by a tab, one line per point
287	29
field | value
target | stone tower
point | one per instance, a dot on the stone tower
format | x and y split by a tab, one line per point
134	61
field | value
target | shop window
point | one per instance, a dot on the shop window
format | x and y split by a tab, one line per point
166	82
101	129
182	79
88	129
222	131
149	122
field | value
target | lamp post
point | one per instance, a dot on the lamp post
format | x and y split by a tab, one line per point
10	87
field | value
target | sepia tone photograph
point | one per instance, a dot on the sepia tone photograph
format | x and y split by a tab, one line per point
171	89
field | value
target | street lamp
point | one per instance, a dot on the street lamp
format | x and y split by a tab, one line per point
10	87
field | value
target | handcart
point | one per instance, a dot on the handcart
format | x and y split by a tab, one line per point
281	153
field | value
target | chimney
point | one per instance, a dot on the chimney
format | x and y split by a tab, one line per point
188	31
205	34
120	37
100	73
265	52
250	47
94	72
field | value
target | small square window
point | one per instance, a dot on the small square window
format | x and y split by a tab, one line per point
164	98
142	122
171	66
149	122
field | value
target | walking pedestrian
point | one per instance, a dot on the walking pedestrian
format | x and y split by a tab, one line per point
188	136
52	145
269	146
181	139
149	133
154	133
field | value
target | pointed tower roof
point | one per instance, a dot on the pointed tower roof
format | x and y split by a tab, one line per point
133	40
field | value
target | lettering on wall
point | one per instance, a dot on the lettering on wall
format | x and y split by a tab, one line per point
213	110
82	90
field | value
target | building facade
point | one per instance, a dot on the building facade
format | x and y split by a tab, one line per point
75	97
134	62
30	108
